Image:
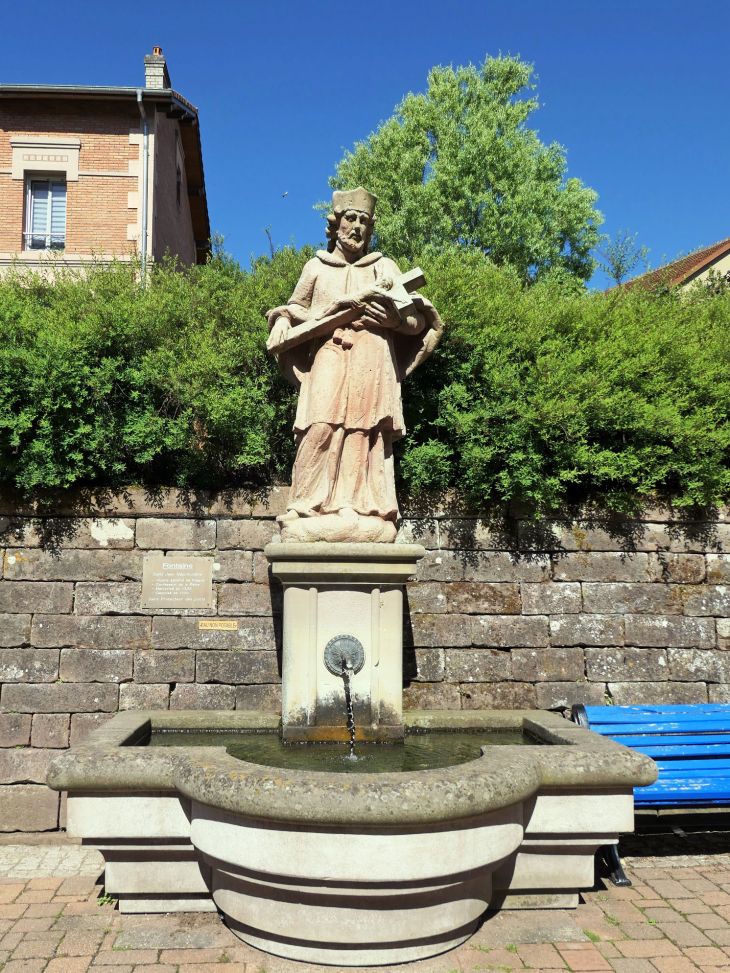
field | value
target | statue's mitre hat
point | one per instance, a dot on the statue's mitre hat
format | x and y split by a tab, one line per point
359	199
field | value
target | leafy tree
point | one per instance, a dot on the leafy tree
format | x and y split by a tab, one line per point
458	165
622	256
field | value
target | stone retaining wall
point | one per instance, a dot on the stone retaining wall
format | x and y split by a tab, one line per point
504	613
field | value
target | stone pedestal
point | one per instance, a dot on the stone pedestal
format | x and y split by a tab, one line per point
331	591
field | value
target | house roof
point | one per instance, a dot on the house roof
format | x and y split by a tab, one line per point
166	99
684	269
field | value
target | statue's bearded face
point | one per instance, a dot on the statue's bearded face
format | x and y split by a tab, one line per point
353	230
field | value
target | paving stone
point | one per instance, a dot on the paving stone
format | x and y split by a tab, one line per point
121	956
528	926
683	934
49	597
541	956
706	956
647	948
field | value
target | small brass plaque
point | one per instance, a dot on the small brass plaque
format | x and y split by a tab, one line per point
218	623
177	582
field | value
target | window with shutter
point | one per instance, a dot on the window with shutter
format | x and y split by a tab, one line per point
45	214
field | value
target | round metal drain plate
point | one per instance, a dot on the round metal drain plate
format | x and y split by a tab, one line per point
341	648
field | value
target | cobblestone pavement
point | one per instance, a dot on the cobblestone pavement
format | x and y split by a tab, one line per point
675	919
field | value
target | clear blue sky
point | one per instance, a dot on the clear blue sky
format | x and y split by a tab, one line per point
636	92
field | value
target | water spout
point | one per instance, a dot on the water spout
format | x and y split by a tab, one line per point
347	674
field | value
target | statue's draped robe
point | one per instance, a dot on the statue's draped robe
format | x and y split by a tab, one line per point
350	410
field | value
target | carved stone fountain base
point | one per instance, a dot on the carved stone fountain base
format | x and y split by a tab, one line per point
353	594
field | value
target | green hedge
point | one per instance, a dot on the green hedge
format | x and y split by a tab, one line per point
542	394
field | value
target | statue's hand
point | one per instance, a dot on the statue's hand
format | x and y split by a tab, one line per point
279	332
380	312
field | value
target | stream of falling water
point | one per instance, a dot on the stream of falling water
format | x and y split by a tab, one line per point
347	675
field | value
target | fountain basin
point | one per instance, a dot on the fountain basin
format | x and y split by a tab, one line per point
349	869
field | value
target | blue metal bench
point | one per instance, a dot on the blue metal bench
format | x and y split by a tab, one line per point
690	745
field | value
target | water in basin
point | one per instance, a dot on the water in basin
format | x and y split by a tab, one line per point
419	751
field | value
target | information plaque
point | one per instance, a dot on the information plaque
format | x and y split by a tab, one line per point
177	582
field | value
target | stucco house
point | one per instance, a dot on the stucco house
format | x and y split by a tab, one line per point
89	171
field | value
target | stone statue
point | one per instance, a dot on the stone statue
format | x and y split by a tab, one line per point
347	344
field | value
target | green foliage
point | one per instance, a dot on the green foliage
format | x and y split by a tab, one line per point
458	165
623	256
107	383
542	393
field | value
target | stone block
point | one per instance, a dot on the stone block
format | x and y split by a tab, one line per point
272	504
426	597
157	666
14	730
196	696
246	535
14	630
551	598
658	693
631	597
73	532
482	566
700	537
423	532
477	665
183	633
49	597
28	665
148	696
564	695
500	695
28	807
484	598
160	533
25	766
699	665
108	597
250	599
626	665
32	564
592	536
90	632
59	698
547	665
505	632
718	568
259	698
233	566
670	631
428	695
51	730
588	566
83	724
677	568
719	693
262	569
706	599
471	534
439	630
96	665
586	629
423	665
235	668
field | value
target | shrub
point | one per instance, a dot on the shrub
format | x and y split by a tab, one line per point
542	393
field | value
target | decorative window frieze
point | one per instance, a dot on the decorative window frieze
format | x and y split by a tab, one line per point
56	153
